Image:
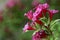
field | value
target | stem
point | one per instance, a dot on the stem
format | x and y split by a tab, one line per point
48	28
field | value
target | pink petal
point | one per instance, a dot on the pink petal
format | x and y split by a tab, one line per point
51	13
54	11
45	6
37	13
28	27
29	14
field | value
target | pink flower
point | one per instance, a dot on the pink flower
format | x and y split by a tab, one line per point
38	13
28	27
29	14
40	10
51	13
37	21
39	35
43	6
36	36
10	3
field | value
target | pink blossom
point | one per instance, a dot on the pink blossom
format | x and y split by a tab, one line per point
51	13
37	13
39	9
29	14
10	3
43	6
28	27
39	35
36	36
37	21
40	12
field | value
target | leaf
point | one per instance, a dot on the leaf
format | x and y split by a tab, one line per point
55	27
54	23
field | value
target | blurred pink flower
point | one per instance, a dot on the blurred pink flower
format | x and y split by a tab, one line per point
28	27
45	6
51	13
41	8
38	13
29	14
39	35
35	15
10	3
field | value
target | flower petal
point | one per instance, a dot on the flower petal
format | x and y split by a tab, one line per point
29	14
45	6
51	13
28	27
38	13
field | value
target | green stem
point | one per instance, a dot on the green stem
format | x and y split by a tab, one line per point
48	28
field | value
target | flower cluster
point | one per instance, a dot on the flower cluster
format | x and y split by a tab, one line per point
35	15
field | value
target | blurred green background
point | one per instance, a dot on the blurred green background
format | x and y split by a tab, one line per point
12	20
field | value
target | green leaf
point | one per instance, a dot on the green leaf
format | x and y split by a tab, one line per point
55	27
54	23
